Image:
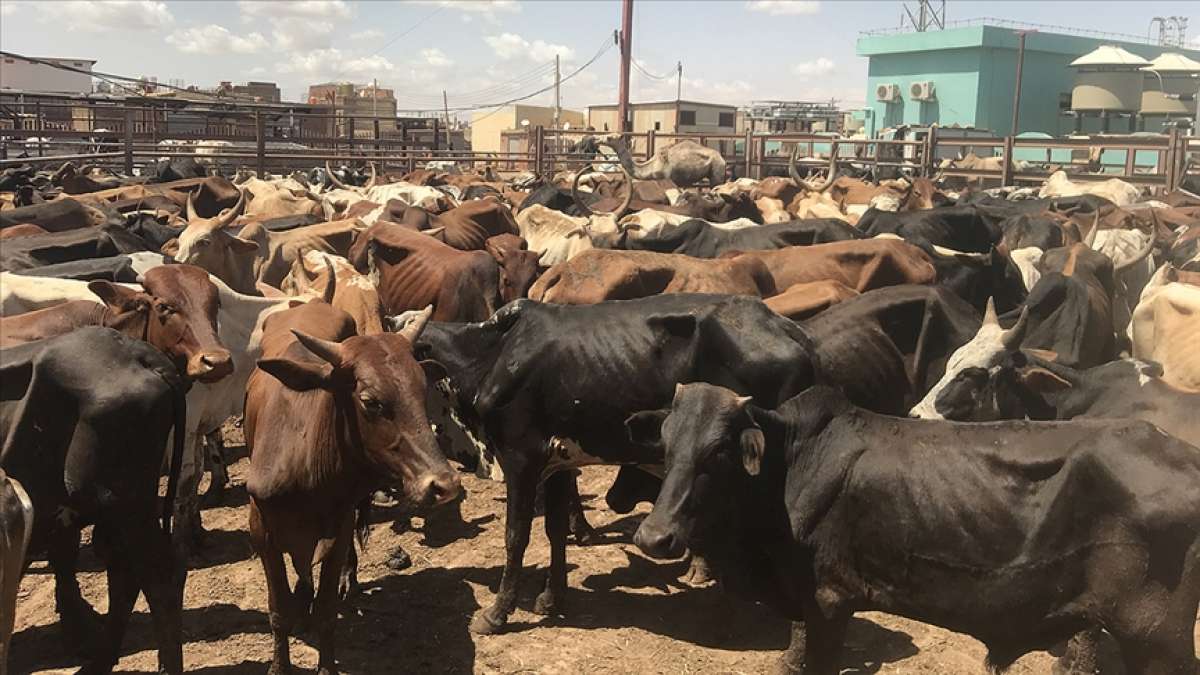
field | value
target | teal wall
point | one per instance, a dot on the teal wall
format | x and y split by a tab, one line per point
974	72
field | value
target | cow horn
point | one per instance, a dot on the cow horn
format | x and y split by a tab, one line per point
792	168
1013	336
1090	239
1145	251
575	192
327	350
412	331
832	170
989	314
231	215
334	179
190	210
374	176
331	285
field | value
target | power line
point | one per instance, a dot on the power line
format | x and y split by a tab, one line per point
643	71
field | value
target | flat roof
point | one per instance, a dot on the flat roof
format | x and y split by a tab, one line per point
1000	37
35	59
605	106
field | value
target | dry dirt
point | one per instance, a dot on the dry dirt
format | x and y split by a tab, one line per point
627	614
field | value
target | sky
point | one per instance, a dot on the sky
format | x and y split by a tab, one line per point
489	51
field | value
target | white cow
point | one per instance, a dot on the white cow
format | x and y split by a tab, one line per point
1165	328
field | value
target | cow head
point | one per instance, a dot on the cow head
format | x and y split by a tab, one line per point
206	244
708	434
379	393
518	266
1016	388
177	314
982	352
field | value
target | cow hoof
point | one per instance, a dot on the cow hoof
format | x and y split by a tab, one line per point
698	574
399	560
483	624
548	604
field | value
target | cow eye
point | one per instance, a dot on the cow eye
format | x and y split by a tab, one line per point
201	243
371	405
166	310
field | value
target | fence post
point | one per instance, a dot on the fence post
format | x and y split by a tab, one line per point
376	130
128	142
748	151
1006	173
538	149
929	160
40	124
650	135
260	142
435	146
1172	178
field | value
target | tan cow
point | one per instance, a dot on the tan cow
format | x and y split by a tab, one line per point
812	297
598	275
1165	327
353	293
861	265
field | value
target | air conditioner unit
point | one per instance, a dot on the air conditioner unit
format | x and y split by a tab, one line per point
921	91
887	92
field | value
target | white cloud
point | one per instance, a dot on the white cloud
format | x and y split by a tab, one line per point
436	58
303	9
332	62
816	67
366	35
782	7
214	39
295	34
99	17
488	9
509	46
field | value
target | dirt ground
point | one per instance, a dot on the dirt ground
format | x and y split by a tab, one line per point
627	613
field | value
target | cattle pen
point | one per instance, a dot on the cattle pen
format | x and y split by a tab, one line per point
269	139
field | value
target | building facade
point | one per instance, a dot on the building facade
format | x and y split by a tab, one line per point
357	107
670	117
17	73
488	128
967	76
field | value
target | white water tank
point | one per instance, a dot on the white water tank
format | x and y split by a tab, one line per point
1178	77
1108	79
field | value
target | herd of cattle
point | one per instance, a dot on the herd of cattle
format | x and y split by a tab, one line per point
751	354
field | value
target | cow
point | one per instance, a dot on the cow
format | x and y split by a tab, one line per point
277	251
25	253
1133	267
860	265
58	215
16	527
467	226
321	274
1023	385
1164	329
518	265
700	239
1114	190
807	299
22	230
270	199
557	237
330	417
1003	531
413	270
99	466
960	228
598	275
503	377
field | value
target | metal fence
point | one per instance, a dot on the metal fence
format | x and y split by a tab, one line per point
275	141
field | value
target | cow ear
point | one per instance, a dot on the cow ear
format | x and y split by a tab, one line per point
645	427
171	248
1042	380
434	371
299	375
754	446
239	245
117	297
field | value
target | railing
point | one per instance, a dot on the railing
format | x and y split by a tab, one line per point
127	136
1021	25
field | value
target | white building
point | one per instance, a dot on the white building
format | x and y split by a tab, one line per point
17	73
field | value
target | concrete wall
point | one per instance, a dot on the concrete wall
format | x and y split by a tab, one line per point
487	129
19	74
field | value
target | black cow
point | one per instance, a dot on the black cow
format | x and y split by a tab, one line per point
961	228
1024	385
84	418
548	387
976	277
700	239
178	168
1010	532
112	268
550	196
57	216
153	230
1070	307
22	253
1037	230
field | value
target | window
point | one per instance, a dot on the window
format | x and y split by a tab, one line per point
725	120
1064	101
687	118
658	126
606	126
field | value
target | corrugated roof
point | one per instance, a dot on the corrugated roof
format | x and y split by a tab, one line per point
1110	55
1173	62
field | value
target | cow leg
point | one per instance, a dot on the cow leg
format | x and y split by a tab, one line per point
522	479
583	532
325	608
80	622
214	446
122	594
825	634
699	572
1081	655
560	488
279	595
188	530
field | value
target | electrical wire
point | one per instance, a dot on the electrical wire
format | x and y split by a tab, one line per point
645	72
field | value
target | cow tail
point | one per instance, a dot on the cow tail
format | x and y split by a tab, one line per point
176	458
362	523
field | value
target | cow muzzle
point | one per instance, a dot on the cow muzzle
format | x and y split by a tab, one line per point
658	542
435	489
210	365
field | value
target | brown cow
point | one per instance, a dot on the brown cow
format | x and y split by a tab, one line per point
330	417
466	226
278	250
177	313
807	299
862	264
598	275
518	265
353	293
414	270
22	230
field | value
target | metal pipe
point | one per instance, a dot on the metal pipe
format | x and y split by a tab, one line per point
1017	94
626	55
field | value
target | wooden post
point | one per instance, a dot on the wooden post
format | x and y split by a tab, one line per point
761	155
650	142
1130	156
748	151
929	159
1006	173
128	142
40	125
435	146
1171	181
538	149
260	141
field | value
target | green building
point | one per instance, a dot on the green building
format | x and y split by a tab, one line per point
972	74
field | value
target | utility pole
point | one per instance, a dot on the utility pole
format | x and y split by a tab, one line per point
1017	94
626	54
678	81
446	110
557	104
